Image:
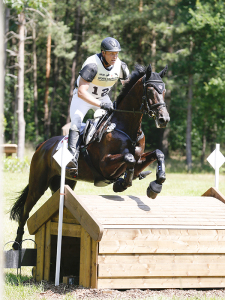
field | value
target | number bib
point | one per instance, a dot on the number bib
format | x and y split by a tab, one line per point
104	80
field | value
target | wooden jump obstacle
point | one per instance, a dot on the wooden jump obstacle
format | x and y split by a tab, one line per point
134	242
9	149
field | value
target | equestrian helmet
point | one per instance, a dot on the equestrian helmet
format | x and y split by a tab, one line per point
110	44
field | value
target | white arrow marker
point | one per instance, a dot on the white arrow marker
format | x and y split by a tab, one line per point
216	159
63	157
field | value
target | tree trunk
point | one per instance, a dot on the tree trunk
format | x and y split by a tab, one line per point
153	49
48	69
203	149
55	79
7	16
1	139
21	121
14	109
140	6
72	81
188	131
35	80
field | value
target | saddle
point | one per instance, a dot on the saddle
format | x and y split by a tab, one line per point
95	128
92	131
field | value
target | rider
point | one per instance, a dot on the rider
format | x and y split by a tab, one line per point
98	75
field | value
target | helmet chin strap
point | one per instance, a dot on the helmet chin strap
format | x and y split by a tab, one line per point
105	61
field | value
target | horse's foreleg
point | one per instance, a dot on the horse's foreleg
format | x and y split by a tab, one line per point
145	160
122	184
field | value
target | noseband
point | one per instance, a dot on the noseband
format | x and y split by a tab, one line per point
145	108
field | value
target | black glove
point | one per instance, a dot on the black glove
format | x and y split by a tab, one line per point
107	106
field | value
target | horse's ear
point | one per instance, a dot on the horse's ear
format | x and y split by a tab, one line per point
148	72
163	72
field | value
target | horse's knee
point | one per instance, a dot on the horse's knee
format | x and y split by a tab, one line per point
129	160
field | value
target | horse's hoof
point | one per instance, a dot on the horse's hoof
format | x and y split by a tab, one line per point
15	246
154	189
118	186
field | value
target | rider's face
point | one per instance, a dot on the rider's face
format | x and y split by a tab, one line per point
110	57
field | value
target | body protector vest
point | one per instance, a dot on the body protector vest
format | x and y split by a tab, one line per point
101	80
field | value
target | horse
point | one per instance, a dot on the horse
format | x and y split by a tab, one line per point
118	157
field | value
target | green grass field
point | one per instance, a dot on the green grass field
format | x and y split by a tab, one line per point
179	184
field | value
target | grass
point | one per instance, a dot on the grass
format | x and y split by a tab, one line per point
179	184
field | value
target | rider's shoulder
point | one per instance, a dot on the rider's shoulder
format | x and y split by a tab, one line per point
91	59
89	71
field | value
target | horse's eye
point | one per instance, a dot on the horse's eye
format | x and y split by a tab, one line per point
150	92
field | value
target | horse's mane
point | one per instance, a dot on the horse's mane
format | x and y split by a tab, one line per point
135	75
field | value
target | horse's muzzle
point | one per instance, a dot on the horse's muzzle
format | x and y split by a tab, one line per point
161	122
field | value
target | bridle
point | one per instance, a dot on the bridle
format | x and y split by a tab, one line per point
149	110
145	108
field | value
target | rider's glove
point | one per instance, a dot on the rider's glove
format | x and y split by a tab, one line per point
107	106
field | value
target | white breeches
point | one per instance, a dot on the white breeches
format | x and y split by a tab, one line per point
79	108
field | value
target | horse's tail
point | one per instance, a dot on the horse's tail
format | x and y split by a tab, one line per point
18	206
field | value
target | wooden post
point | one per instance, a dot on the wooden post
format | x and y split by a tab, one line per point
40	240
94	264
47	251
85	259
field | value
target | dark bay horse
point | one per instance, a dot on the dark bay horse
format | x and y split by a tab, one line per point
119	153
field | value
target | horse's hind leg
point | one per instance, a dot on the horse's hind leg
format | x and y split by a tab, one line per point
21	209
55	183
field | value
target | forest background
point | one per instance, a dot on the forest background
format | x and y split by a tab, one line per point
47	41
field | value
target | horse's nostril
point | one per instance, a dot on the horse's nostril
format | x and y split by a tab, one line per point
162	121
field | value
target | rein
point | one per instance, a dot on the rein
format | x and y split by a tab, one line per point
149	111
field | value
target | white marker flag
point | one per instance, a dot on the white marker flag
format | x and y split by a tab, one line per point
216	159
63	157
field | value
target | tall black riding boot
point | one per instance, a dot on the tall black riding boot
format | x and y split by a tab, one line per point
73	147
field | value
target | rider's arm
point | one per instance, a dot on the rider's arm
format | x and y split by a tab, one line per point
84	95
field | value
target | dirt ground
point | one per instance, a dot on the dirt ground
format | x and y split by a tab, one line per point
77	292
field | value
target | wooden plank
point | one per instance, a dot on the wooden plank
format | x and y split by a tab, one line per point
67	217
144	200
161	259
177	227
183	235
40	240
175	246
157	212
161	265
72	230
213	192
161	221
82	214
44	213
94	264
170	270
162	282
85	259
47	251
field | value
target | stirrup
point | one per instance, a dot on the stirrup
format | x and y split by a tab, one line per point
73	165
